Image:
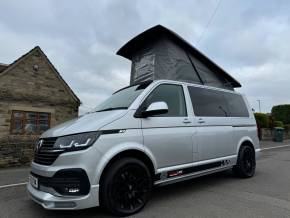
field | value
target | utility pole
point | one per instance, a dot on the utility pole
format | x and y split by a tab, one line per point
259	101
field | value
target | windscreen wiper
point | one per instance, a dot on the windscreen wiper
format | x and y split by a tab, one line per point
112	108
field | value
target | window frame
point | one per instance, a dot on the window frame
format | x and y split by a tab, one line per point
221	96
242	101
229	113
24	121
142	106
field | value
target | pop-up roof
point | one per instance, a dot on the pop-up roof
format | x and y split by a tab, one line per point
159	53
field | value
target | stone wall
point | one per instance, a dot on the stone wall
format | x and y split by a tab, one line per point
23	83
25	89
268	134
59	113
17	150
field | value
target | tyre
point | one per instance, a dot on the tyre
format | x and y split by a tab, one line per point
246	163
125	187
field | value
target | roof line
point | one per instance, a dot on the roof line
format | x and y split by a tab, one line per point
59	76
23	57
14	63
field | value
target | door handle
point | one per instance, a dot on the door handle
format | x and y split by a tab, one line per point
201	121
186	121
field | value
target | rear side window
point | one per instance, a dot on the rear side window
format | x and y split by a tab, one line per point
172	95
236	105
212	103
208	103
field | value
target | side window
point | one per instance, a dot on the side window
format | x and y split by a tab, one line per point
172	95
207	102
236	105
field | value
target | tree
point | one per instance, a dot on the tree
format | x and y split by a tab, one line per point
262	120
282	113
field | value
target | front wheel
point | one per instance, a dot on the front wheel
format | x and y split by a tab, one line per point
126	187
246	163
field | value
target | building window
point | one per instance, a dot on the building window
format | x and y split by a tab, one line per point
24	122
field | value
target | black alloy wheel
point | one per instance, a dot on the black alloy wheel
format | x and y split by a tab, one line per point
246	163
126	187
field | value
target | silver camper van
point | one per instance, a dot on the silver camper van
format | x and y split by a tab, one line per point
151	133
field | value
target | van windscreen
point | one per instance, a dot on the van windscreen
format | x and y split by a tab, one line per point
122	99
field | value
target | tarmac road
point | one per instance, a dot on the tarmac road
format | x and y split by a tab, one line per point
219	195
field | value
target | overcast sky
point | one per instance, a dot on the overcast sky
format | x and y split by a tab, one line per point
249	39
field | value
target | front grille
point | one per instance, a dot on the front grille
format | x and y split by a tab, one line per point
46	154
64	180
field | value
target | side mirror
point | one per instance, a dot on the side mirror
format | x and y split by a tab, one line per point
155	108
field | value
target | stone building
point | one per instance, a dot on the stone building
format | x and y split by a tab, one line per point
33	98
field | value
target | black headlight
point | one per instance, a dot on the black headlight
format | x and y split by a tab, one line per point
77	141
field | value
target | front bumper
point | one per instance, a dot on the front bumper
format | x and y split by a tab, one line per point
86	160
49	201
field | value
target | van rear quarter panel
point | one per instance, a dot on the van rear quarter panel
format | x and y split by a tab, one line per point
245	129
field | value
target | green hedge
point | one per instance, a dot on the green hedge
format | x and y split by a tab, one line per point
282	113
287	127
262	120
278	124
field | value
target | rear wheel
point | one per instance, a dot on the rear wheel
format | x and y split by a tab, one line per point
246	163
126	187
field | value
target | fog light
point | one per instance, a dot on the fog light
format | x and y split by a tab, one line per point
73	190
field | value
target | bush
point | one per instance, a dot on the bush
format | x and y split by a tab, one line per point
282	113
278	124
271	122
287	127
262	120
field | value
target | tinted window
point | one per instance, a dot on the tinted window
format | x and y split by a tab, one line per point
208	103
236	105
172	95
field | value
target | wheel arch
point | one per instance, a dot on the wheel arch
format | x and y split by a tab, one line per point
245	141
135	151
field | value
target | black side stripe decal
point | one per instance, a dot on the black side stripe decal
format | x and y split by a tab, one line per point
202	167
195	169
245	125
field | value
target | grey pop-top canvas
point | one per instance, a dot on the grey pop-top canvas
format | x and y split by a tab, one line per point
159	53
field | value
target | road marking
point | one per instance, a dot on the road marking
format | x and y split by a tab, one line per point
13	185
280	146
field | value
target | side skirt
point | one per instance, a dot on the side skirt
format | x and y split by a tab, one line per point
189	171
